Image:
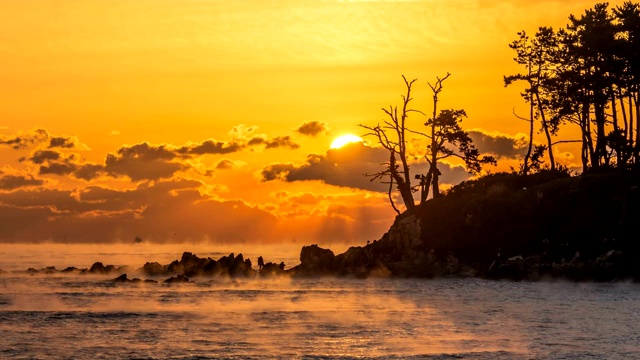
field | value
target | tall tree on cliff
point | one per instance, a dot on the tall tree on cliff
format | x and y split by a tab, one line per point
445	139
587	74
391	135
537	56
628	26
590	62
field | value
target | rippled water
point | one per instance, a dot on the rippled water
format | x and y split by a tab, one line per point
83	316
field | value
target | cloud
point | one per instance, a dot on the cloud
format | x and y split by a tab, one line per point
42	156
12	182
312	128
25	140
347	167
159	211
143	162
226	164
162	207
502	145
277	142
210	147
61	142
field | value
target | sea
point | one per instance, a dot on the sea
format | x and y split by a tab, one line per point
75	316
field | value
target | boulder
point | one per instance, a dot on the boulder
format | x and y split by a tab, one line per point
315	260
272	269
177	279
154	269
121	279
99	268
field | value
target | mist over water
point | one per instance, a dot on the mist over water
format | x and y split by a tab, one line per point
86	316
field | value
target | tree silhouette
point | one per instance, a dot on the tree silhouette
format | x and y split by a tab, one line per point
537	55
391	135
586	74
445	139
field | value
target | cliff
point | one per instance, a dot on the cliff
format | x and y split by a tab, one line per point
507	226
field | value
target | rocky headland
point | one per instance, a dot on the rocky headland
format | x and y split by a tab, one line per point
507	226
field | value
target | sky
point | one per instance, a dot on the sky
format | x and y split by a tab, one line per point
211	121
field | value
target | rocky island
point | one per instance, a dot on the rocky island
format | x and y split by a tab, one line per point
507	226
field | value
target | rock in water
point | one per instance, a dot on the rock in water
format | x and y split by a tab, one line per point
315	260
177	279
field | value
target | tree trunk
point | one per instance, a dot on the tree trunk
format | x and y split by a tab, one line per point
626	129
525	166
435	183
425	186
634	100
545	126
601	144
616	128
586	123
403	187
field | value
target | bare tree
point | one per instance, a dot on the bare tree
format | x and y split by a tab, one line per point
446	139
391	135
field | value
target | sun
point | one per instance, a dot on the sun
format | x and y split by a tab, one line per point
343	140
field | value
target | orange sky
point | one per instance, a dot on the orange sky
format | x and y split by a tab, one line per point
109	76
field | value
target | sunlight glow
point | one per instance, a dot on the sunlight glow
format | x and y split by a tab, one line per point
343	140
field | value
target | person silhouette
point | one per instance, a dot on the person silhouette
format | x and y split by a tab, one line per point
260	262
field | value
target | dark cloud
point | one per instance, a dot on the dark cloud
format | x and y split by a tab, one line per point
42	156
58	168
503	146
143	162
12	182
312	128
347	167
277	142
25	140
61	142
210	147
225	164
88	171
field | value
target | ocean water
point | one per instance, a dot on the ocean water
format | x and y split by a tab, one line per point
87	317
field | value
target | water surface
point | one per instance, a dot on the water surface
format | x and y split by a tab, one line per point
88	317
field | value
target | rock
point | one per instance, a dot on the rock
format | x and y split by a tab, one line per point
121	279
49	270
315	260
272	269
124	279
99	268
406	232
189	265
177	279
154	269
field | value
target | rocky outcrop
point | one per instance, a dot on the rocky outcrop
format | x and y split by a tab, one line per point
176	280
191	265
316	261
99	268
124	279
272	269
